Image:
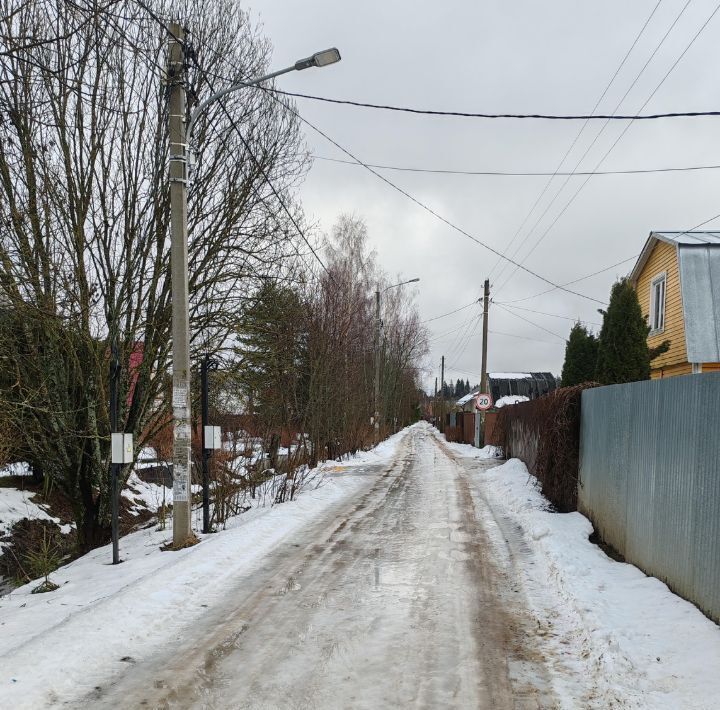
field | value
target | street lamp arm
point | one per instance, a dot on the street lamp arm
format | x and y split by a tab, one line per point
223	92
319	59
402	283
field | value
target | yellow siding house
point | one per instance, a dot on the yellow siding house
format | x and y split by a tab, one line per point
677	279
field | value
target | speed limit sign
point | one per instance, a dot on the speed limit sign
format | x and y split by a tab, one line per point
483	401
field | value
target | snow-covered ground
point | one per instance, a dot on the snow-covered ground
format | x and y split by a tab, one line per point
57	646
624	638
510	399
607	635
17	504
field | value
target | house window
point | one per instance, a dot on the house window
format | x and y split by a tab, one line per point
657	304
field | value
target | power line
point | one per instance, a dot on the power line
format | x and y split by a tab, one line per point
464	324
261	169
466	114
554	315
521	337
505	173
428	209
459	369
577	138
599	133
449	313
527	320
570	283
623	132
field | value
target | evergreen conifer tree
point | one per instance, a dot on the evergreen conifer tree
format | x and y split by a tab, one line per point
580	357
623	354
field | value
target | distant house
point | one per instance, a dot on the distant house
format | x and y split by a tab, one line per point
524	384
466	403
677	279
511	388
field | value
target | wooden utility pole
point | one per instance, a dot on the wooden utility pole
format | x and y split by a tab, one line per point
376	415
486	304
182	528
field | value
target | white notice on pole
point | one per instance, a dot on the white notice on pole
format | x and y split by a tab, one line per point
179	397
180	483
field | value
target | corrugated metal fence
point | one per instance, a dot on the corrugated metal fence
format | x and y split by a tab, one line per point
650	479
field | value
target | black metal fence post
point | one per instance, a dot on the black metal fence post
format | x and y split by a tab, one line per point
114	467
204	367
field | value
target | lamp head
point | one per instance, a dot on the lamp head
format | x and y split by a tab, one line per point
319	59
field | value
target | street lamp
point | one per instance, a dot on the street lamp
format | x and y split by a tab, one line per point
378	324
319	59
178	175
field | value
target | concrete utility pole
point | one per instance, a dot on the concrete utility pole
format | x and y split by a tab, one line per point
182	528
486	304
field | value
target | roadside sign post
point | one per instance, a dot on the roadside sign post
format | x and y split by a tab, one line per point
483	402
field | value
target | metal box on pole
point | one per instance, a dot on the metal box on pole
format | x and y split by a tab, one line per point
122	448
213	437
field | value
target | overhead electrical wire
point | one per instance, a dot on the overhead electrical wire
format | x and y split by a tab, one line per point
440	336
554	315
505	173
617	140
527	320
577	136
569	283
262	170
430	210
602	128
467	114
258	165
449	313
521	337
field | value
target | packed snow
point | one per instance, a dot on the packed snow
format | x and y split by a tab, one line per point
626	635
612	636
509	375
489	452
105	613
510	399
15	505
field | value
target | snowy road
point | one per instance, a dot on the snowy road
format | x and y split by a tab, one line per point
402	596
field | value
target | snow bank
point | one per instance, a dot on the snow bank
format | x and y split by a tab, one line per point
21	468
58	646
16	505
146	496
510	399
626	635
509	375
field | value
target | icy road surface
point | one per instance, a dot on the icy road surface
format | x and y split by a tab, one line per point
399	597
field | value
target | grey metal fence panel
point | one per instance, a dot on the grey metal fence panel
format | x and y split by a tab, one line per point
650	478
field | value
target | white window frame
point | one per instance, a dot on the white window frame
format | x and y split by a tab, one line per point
697	368
654	312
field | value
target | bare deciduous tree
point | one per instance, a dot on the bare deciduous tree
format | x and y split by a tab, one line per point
84	212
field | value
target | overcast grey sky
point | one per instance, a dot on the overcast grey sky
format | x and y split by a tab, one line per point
504	57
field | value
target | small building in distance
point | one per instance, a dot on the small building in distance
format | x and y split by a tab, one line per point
523	384
677	280
510	388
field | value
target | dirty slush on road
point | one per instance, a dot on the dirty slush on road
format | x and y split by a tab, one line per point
398	598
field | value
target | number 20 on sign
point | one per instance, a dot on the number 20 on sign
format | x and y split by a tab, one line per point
483	401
